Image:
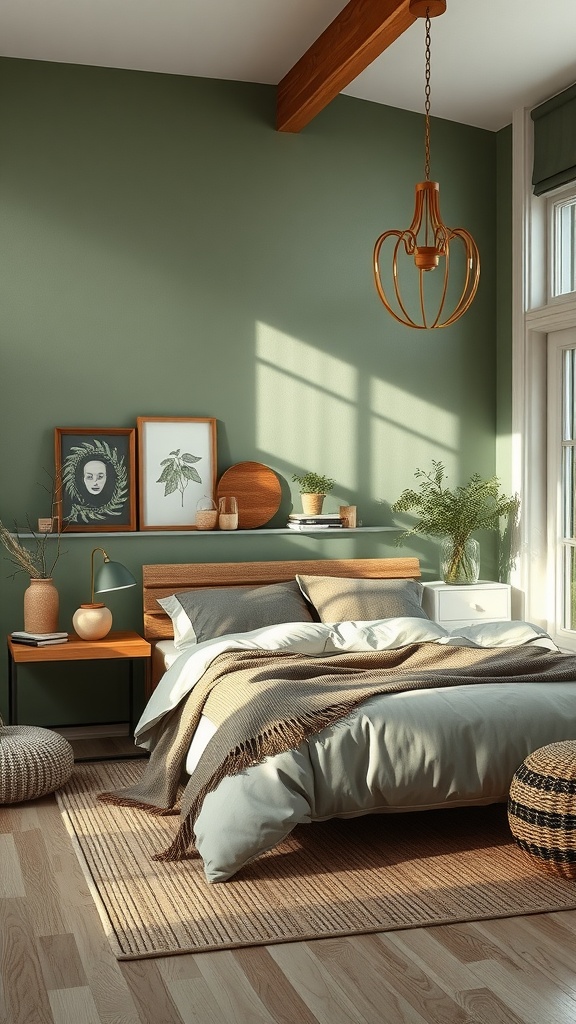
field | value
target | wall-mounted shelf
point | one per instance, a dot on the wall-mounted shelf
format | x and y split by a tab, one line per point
220	533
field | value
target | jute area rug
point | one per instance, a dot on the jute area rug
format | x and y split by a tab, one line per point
368	874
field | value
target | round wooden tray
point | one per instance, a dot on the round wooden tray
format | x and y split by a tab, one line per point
257	489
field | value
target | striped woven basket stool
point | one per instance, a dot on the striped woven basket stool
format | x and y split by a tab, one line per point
33	762
542	807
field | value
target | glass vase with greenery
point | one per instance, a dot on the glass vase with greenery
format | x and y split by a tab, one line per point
455	513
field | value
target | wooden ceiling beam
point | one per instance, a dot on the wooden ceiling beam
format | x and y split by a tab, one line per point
359	34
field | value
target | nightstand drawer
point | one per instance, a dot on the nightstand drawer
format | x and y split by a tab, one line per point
475	603
455	606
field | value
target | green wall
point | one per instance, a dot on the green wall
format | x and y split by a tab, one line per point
164	251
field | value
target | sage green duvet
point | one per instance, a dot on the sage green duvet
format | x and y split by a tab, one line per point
412	750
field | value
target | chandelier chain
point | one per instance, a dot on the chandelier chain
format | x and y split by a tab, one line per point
427	95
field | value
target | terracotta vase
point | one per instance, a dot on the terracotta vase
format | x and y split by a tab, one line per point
41	606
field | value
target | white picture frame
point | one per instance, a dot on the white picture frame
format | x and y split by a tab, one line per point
177	466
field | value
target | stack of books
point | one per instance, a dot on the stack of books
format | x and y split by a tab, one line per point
20	636
300	521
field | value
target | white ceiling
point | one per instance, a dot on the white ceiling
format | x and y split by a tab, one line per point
489	57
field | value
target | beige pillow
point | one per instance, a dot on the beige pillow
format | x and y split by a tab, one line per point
340	600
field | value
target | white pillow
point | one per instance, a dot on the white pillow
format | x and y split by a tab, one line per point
505	634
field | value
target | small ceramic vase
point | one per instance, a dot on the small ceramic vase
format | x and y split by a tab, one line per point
41	606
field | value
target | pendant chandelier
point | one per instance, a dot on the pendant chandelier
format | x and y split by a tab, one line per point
428	240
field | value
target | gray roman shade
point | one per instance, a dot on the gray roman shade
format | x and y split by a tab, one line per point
555	142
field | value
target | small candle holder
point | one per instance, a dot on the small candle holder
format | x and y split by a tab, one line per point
47	525
228	513
348	516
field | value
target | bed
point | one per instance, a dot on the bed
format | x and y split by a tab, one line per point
289	692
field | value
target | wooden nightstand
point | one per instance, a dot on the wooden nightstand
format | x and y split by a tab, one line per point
455	606
124	645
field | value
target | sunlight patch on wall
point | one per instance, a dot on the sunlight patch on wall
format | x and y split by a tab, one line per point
306	407
405	433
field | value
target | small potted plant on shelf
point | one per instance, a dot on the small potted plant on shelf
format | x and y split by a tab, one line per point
313	490
454	515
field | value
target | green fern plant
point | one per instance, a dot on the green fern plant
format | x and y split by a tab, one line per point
313	483
455	513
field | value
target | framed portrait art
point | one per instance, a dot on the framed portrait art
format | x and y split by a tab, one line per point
96	474
176	467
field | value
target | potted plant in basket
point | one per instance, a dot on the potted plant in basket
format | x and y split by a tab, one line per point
454	515
313	490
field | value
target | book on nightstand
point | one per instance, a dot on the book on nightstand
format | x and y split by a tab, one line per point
20	636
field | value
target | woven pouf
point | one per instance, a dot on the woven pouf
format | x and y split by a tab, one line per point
33	762
542	807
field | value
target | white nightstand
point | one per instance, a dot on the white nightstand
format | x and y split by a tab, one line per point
455	606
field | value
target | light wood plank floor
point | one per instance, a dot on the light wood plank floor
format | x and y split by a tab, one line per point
56	966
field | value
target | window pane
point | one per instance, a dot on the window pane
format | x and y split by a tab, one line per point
565	248
568	477
567	490
568	403
570	594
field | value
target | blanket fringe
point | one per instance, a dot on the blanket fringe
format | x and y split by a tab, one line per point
178	850
126	801
274	740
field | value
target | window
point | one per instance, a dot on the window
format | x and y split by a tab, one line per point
562	245
561	466
542	446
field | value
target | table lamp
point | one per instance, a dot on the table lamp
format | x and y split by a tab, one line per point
93	621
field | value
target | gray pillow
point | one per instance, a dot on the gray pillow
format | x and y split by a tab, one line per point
341	600
199	615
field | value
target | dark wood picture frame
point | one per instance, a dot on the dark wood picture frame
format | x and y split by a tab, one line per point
177	465
102	497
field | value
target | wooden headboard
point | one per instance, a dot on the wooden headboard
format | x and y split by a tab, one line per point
162	580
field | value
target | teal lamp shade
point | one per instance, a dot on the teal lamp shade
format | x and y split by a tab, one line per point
93	621
113	576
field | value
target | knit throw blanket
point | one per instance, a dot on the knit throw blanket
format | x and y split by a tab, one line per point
264	703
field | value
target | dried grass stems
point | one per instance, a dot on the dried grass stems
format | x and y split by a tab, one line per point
38	558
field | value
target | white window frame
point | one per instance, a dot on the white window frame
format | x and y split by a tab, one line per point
558	244
558	343
534	315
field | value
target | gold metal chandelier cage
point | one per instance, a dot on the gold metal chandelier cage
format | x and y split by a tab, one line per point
428	240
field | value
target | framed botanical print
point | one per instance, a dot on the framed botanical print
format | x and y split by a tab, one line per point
177	466
96	478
